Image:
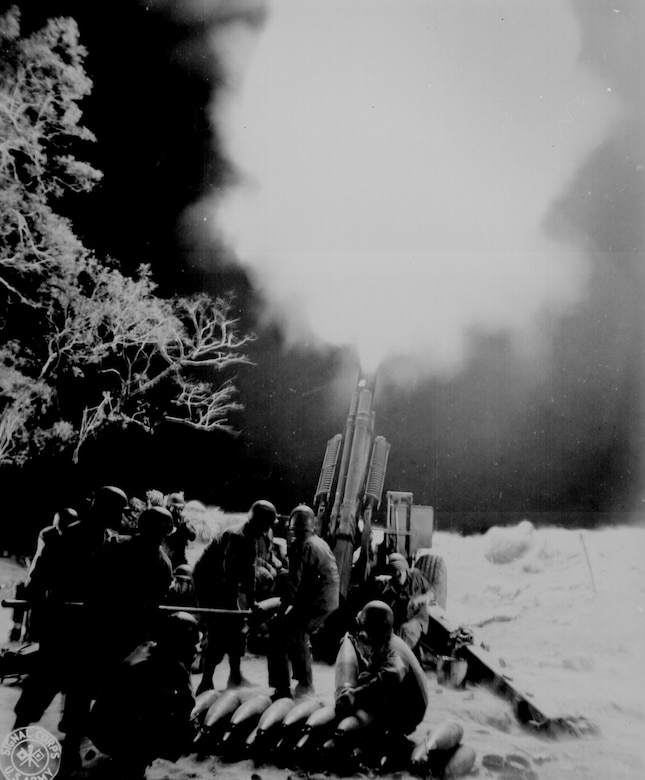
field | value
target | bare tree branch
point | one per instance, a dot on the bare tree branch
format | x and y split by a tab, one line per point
102	345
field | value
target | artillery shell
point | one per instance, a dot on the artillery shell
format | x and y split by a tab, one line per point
393	754
271	720
301	712
275	714
460	763
318	725
252	709
250	740
225	743
221	711
217	719
453	763
330	755
289	731
244	720
445	737
321	718
348	724
329	746
281	750
419	757
360	720
202	704
303	742
283	754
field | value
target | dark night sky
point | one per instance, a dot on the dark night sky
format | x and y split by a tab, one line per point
563	436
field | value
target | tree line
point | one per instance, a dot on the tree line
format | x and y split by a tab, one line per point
85	346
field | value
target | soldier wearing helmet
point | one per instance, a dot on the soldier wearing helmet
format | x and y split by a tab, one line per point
376	672
137	576
224	578
182	588
312	595
182	530
71	569
48	535
410	595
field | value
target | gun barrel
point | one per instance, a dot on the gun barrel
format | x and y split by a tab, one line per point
353	470
358	458
352	477
344	459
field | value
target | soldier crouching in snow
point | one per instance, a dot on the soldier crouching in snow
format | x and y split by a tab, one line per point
380	684
409	594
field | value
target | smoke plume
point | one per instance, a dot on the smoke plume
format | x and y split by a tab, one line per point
397	164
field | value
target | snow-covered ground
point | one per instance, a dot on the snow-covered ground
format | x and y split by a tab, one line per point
562	608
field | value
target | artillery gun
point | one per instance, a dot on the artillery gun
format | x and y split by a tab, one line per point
349	512
361	534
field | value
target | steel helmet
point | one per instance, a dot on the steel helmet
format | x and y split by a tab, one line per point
108	506
178	632
155	522
65	518
302	519
263	514
376	619
112	496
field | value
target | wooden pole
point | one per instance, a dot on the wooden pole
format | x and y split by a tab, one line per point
584	547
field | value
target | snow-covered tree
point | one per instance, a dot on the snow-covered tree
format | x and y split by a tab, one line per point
83	345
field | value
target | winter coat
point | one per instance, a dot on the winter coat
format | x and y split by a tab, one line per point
313	585
224	575
387	683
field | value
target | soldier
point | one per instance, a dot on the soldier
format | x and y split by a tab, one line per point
409	594
182	533
376	672
145	711
312	595
136	577
48	535
224	578
269	567
62	521
68	569
182	588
